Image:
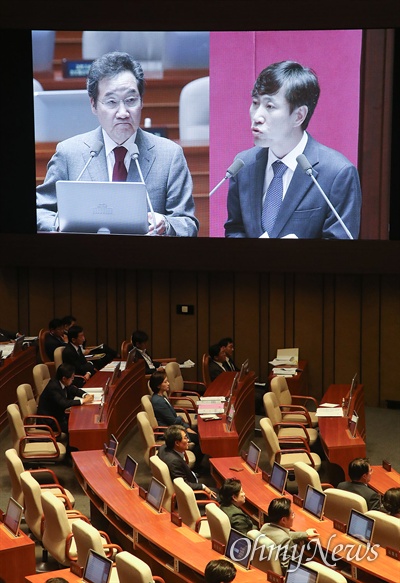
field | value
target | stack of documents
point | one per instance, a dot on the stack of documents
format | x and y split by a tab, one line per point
284	371
210	405
329	410
111	365
97	392
187	364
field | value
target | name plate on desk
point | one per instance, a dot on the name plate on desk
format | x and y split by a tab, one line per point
142	492
394	553
265	476
297	500
274	577
74	69
387	465
218	547
76	569
176	519
341	526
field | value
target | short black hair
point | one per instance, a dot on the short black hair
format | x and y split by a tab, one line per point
55	323
74	332
156	379
68	320
138	336
173	433
301	85
225	341
391	501
219	571
214	349
229	488
110	65
65	370
358	467
278	509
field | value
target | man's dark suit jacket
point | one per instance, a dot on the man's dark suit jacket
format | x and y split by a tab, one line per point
230	366
148	369
178	468
370	496
6	335
54	400
165	413
238	519
214	369
78	361
51	343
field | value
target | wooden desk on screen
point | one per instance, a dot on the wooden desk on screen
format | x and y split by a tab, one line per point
122	406
298	384
172	552
258	496
17	556
14	371
339	447
215	439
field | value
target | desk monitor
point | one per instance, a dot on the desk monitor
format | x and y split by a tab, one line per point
230	417
129	471
97	569
244	369
253	456
353	421
278	478
314	502
132	357
104	207
115	373
360	526
18	344
238	548
298	573
106	389
12	517
155	494
111	451
353	386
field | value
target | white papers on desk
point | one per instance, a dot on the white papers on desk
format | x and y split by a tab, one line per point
329	412
212	399
6	349
187	364
210	407
111	365
284	371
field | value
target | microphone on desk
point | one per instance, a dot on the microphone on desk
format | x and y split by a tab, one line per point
135	156
307	167
230	173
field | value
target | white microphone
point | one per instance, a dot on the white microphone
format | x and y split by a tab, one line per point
230	173
94	151
135	156
307	167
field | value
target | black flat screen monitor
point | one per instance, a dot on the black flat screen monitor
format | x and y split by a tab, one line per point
298	573
360	526
97	569
278	478
132	357
314	502
238	548
115	374
253	456
12	517
129	471
155	494
111	451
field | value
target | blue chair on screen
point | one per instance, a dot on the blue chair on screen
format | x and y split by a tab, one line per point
43	42
194	112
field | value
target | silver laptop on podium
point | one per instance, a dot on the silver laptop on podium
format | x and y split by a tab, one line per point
102	207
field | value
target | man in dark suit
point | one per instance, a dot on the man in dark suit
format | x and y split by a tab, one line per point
55	338
173	454
285	95
228	346
61	394
73	354
139	341
216	361
360	475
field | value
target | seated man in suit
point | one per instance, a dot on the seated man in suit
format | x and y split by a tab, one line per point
217	361
55	338
279	530
115	85
272	196
219	571
173	454
360	475
232	499
227	344
139	341
73	354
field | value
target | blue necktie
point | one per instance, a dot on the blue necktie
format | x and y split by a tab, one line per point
273	198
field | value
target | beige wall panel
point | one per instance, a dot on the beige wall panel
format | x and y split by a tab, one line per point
247	321
370	339
347	327
390	338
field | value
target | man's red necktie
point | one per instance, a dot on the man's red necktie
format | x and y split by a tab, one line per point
119	171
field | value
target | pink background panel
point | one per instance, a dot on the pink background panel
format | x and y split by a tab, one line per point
236	59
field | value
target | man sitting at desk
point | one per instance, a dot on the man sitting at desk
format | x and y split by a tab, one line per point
173	454
228	346
73	354
360	475
55	338
279	529
217	361
139	341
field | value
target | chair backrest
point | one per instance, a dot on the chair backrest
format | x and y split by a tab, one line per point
174	376
86	537
16	425
37	86
265	557
15	468
126	346
387	529
186	50
159	470
339	503
26	400
131	569
43	44
57	527
271	407
41	344
219	523
326	574
204	369
194	111
58	356
148	408
146	433
33	503
306	474
270	438
280	388
186	500
41	376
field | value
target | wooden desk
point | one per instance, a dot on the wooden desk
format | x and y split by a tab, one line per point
43	577
258	496
122	406
17	556
215	439
298	384
14	371
382	480
175	553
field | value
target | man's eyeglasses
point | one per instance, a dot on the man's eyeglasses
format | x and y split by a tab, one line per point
129	102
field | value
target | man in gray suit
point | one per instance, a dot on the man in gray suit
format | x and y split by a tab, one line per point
272	197
115	86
